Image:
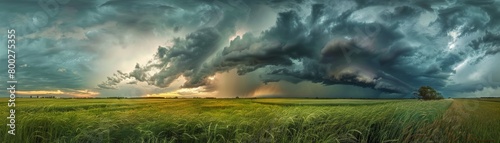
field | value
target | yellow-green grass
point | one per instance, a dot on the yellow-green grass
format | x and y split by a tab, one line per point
225	120
327	102
471	120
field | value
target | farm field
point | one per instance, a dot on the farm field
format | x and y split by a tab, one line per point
253	120
327	102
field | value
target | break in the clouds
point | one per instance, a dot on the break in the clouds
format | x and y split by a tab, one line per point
277	48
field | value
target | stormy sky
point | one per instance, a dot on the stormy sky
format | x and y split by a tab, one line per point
253	48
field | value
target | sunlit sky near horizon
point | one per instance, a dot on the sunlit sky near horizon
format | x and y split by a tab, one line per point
258	48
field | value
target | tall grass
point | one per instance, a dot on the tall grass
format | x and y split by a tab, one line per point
468	120
220	120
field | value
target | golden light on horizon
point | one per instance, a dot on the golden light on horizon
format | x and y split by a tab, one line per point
76	93
168	94
40	92
189	92
83	93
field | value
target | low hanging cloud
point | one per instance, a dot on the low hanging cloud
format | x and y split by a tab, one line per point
392	47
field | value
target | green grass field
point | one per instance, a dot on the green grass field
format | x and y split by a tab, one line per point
252	120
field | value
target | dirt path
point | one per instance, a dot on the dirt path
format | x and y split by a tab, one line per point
459	123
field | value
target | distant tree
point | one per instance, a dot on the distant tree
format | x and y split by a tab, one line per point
237	97
428	93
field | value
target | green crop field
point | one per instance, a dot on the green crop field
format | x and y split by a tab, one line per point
327	102
252	120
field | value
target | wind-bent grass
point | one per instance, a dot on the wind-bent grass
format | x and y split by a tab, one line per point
471	120
221	120
326	102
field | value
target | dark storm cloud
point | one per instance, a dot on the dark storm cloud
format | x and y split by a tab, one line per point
61	50
31	16
186	58
490	43
367	44
390	46
43	64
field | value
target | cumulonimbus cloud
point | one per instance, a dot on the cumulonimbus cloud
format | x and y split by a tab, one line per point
391	47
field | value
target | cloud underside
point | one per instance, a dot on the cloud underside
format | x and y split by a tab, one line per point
391	47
